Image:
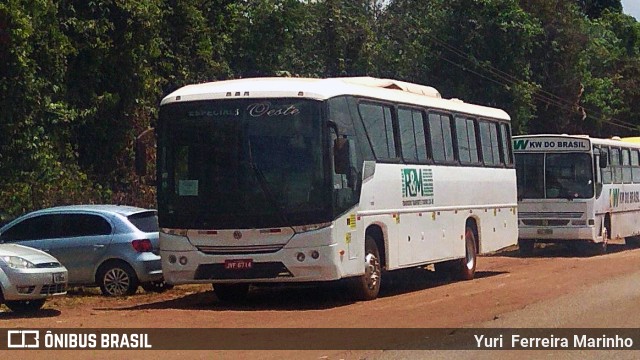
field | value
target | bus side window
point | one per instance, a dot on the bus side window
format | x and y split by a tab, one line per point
462	140
412	138
615	165
635	166
607	177
505	140
378	124
489	140
626	166
466	136
407	135
441	138
346	187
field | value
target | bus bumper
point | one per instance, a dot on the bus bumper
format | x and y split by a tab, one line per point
559	234
184	264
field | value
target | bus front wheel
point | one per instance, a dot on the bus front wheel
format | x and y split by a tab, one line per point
367	286
526	246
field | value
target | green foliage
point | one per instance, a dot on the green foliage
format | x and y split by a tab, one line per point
79	80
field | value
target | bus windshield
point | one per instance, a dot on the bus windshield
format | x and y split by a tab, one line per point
554	176
242	164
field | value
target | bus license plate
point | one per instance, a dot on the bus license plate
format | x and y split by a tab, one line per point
545	231
238	264
59	278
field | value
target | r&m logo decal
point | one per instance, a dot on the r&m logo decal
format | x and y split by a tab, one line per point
418	184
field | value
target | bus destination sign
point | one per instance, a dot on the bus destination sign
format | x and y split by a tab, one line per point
552	144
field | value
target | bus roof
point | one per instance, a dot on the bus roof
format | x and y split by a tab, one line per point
322	89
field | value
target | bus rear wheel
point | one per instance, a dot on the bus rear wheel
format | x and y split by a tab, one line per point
367	286
465	268
467	265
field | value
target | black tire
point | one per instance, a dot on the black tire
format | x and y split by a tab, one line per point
117	279
599	248
231	293
467	265
576	247
367	286
156	286
446	268
632	241
526	246
25	306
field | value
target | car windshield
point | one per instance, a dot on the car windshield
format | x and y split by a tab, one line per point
242	164
555	176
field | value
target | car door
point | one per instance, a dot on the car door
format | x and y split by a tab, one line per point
81	244
34	232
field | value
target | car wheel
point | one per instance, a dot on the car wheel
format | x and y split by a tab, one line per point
156	286
25	306
117	279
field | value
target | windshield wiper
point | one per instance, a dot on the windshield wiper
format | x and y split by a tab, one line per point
266	189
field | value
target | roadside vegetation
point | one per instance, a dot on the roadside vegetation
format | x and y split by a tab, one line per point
79	80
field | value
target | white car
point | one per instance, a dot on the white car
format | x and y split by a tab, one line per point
28	277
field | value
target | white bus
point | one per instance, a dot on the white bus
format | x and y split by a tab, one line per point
576	189
283	180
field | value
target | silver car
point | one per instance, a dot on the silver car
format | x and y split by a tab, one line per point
112	246
28	277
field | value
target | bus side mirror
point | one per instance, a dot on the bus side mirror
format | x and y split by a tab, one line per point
603	162
342	156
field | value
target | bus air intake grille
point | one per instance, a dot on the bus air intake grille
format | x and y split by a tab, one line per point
550	215
540	222
233	250
262	270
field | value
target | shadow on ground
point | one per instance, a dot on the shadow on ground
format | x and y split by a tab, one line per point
43	313
564	250
304	297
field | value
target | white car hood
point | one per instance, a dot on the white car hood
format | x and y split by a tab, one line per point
33	255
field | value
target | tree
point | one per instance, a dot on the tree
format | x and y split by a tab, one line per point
594	9
37	159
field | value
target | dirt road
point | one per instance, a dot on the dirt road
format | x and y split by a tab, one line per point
418	298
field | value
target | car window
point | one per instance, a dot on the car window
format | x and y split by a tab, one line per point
145	221
35	228
74	225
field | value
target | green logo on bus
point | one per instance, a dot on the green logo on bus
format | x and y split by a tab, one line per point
417	182
520	144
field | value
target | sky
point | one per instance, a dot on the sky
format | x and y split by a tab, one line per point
631	7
